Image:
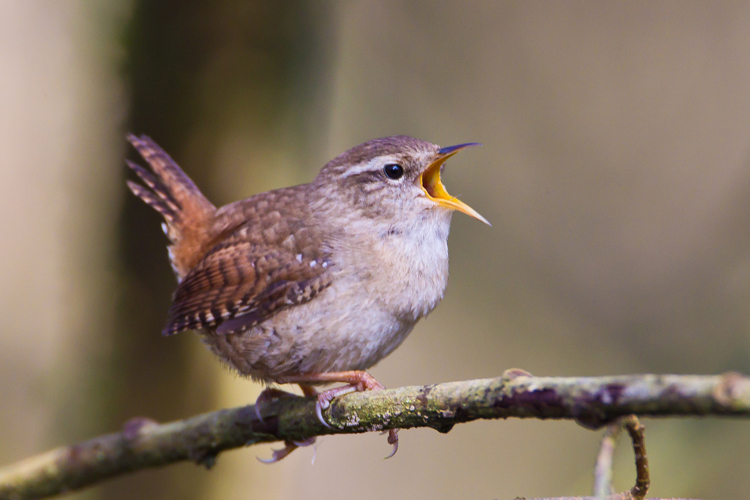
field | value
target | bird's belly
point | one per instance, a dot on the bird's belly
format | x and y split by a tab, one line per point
342	331
335	332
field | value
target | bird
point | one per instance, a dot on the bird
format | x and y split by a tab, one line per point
310	284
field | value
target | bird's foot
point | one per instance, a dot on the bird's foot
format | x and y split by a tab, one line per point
289	446
357	381
268	395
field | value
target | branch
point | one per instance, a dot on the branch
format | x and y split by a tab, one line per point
591	401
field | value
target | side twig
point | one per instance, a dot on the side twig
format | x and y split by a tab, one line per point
638	436
603	469
591	401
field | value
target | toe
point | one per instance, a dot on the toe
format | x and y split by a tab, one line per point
268	395
279	454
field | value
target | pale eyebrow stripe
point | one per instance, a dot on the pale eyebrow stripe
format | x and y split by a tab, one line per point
368	166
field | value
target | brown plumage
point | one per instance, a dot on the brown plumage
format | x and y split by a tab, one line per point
314	283
248	259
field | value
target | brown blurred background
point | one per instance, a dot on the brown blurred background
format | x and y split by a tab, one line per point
615	169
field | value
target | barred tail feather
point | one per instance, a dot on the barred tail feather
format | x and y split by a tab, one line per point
169	191
155	202
157	187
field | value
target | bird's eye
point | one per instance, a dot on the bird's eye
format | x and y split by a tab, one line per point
394	171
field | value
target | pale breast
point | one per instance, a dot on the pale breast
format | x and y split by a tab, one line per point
380	290
413	265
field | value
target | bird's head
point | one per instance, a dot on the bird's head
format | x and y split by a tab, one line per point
394	178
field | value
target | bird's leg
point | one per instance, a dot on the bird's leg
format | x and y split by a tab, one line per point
358	381
308	390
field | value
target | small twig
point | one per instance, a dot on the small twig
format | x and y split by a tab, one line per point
590	401
603	469
637	435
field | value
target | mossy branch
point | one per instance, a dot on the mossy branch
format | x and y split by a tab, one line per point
591	401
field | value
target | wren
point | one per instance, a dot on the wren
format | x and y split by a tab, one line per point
315	283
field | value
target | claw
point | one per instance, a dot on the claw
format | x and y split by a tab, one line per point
319	413
324	400
393	440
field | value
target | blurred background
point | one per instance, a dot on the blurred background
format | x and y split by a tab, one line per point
615	171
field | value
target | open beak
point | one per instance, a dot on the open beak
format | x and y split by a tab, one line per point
434	189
